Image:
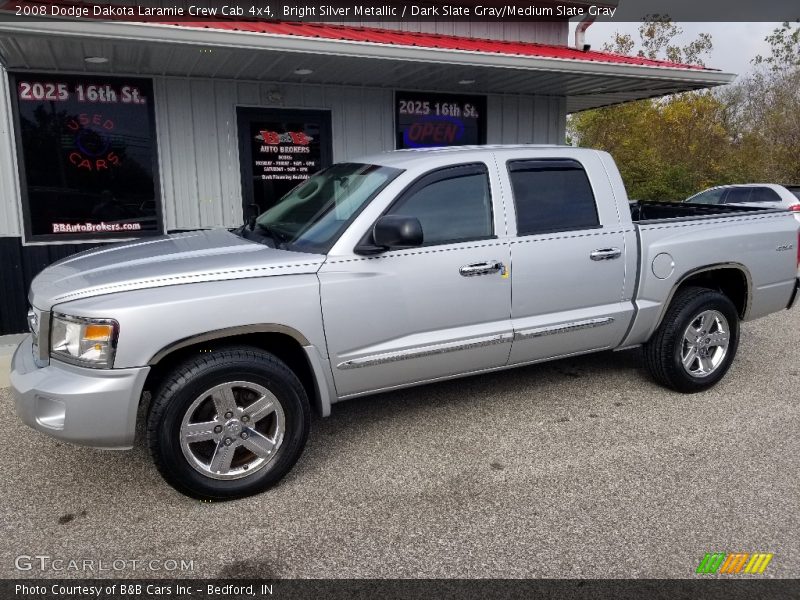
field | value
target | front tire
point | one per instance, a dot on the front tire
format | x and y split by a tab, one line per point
228	424
696	342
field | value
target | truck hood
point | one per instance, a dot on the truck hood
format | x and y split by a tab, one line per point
193	257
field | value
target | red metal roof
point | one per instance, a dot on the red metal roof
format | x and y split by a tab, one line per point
372	35
426	40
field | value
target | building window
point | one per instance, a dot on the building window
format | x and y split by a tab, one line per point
429	120
552	195
87	157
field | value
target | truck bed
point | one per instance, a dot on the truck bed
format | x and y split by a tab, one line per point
650	211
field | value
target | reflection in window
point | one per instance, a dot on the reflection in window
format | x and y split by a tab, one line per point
552	196
454	209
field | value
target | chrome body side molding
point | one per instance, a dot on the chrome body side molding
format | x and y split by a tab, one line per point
563	328
421	352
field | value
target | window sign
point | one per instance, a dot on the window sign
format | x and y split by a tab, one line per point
88	161
429	120
285	153
279	150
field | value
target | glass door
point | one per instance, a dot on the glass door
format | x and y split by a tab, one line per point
278	150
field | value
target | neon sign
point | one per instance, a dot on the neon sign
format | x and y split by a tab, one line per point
92	142
429	120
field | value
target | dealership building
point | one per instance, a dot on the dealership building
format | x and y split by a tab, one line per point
113	130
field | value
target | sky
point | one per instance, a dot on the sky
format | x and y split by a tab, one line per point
735	44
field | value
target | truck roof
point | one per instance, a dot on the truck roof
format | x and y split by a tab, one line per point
409	157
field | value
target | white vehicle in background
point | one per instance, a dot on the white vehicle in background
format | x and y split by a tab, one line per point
761	195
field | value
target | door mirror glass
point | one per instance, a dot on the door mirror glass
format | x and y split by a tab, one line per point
397	231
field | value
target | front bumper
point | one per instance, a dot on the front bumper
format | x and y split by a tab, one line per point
90	407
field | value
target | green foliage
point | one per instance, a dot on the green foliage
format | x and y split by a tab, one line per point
784	46
668	149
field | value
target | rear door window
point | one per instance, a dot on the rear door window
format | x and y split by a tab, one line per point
738	195
552	196
764	194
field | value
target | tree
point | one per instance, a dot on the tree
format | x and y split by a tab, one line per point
764	108
784	48
656	34
672	147
666	149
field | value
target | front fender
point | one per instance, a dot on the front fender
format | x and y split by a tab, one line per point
153	321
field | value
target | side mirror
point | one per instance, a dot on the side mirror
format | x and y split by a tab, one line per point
392	232
254	210
397	231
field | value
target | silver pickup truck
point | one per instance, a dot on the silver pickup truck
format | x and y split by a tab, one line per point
390	271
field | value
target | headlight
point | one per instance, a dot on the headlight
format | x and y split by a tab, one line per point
86	342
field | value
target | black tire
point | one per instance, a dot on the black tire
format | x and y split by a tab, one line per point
188	382
663	352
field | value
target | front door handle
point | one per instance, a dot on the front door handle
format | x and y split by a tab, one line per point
484	268
606	254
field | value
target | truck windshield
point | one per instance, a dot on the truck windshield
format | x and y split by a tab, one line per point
312	216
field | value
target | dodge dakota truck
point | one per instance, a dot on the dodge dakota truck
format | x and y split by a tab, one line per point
390	271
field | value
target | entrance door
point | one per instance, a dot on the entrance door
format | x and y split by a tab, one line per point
278	150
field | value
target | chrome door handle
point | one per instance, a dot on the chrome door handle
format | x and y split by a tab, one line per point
484	268
606	254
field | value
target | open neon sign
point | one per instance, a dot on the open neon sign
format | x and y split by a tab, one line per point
427	120
434	131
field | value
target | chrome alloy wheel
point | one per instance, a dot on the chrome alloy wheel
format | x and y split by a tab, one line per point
705	343
232	430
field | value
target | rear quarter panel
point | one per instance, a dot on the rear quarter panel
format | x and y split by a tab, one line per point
763	246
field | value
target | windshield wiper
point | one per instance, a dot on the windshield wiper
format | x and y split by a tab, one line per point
276	234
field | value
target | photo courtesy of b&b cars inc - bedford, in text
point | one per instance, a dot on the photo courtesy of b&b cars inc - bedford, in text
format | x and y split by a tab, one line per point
399	300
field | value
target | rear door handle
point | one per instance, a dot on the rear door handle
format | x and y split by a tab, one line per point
606	254
484	268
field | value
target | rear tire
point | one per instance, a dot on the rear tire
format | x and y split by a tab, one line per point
696	342
228	424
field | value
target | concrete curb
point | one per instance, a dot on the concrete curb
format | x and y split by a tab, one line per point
8	344
5	367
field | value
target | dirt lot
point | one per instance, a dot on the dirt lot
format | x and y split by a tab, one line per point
579	468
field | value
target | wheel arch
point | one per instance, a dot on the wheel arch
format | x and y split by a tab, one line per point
288	344
731	279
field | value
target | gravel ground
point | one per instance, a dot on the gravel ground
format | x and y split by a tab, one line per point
578	468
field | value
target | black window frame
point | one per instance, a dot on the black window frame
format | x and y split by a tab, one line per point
434	176
544	162
89	237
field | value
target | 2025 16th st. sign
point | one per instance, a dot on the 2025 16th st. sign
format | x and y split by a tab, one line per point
426	120
88	166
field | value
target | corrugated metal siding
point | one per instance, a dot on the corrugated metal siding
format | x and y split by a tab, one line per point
199	151
526	119
10	220
201	181
198	148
